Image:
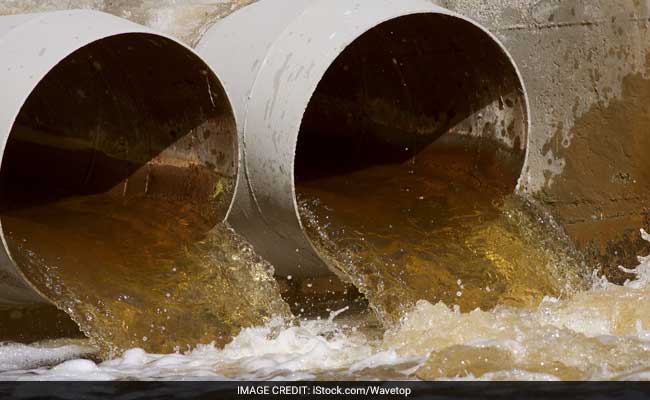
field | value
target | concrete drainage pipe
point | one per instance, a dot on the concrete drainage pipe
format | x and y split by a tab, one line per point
102	117
325	86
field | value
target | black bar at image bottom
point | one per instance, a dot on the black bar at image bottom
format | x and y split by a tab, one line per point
129	390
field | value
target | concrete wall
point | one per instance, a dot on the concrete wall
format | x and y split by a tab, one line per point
184	19
586	65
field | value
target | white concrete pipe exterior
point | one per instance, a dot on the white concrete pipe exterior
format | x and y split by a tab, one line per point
82	82
273	55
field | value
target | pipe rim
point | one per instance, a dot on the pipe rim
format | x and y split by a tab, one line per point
454	15
279	207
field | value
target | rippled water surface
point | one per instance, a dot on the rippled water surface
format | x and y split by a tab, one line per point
601	333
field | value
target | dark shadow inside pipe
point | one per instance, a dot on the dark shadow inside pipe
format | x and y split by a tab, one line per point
417	130
408	86
124	153
132	115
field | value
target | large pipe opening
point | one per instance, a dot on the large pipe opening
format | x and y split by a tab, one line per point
123	156
415	134
409	87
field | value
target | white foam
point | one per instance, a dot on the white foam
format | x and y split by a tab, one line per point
16	356
603	333
273	351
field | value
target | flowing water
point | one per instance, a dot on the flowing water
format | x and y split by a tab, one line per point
442	226
492	293
142	272
600	333
462	280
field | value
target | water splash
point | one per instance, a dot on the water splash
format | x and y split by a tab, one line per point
600	333
280	349
144	272
443	232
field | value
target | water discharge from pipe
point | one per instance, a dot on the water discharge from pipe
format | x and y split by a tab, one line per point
175	296
406	166
407	161
475	254
115	181
117	175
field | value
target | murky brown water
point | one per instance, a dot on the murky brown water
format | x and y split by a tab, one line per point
600	333
442	227
143	272
159	274
463	278
417	238
597	334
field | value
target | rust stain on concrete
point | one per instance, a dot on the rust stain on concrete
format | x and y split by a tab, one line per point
603	195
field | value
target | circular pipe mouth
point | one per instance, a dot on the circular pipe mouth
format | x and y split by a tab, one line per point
419	123
124	153
406	85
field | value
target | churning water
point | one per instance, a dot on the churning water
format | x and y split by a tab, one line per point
490	293
462	280
600	333
442	226
142	272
